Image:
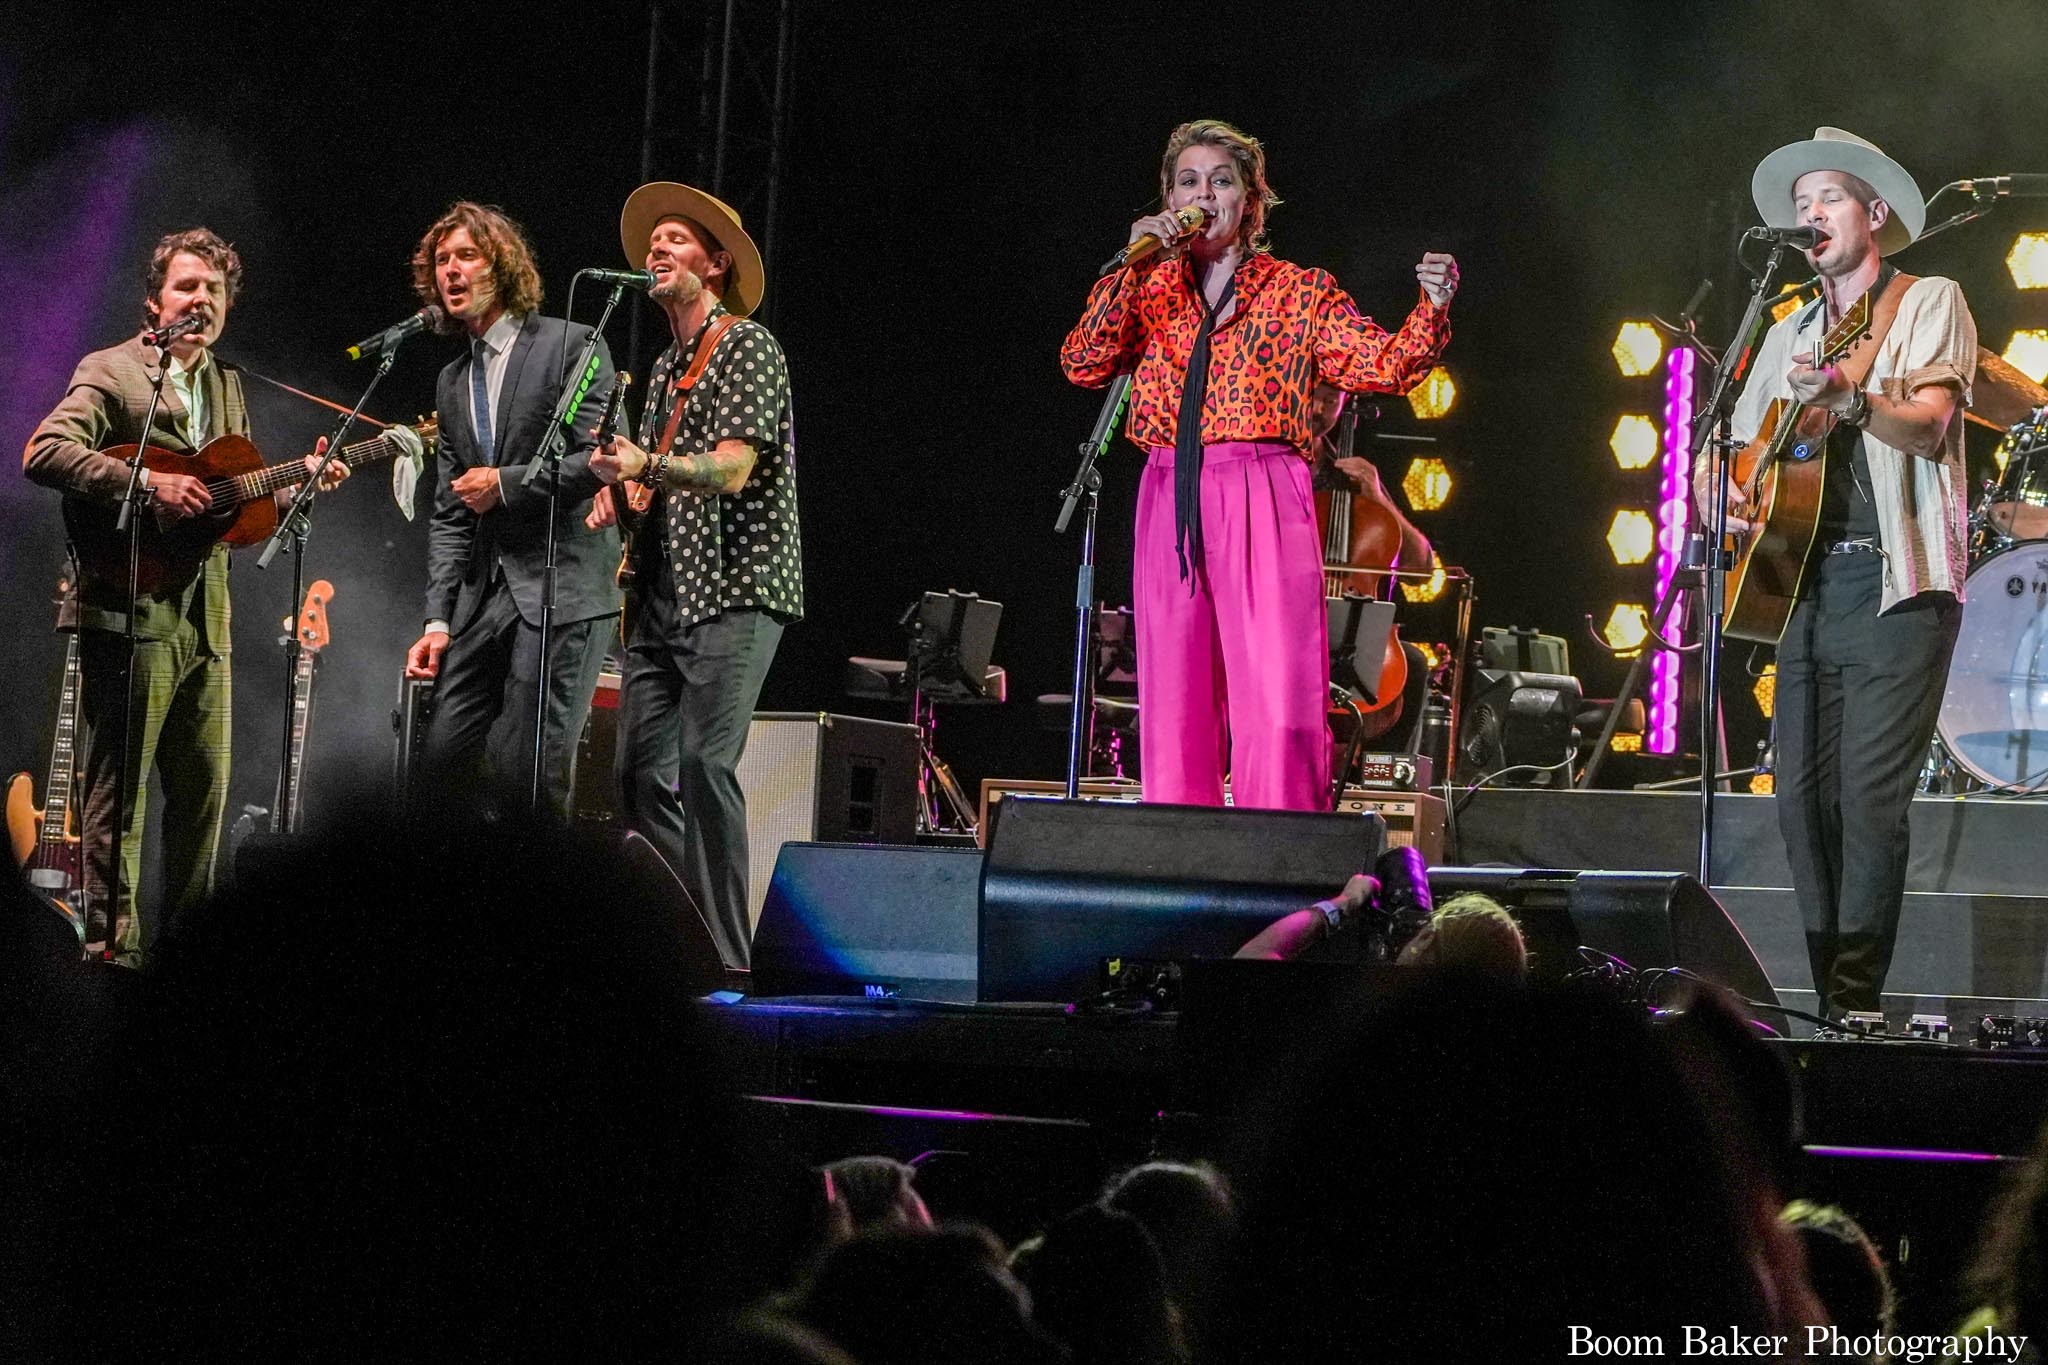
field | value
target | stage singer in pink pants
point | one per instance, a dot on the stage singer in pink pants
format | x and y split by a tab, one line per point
1226	345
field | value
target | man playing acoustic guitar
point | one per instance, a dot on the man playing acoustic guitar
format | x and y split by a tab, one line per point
1865	651
182	703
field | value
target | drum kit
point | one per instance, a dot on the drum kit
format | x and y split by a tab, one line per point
1993	732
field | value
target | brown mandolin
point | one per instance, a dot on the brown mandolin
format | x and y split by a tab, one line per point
244	510
1361	534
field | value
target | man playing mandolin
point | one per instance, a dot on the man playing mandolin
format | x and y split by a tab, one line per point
181	705
1865	650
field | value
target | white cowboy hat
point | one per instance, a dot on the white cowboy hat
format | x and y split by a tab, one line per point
660	199
1831	149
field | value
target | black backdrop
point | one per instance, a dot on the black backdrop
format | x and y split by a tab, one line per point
954	173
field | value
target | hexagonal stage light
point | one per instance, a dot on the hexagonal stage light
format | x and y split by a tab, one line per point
1628	625
1427	484
1637	348
2028	260
1634	442
1434	396
1429	589
1631	536
1790	297
2027	352
1766	690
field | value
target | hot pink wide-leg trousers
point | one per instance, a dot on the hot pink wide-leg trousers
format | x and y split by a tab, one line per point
1238	670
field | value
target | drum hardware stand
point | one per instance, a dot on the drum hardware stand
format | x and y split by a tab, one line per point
1087	484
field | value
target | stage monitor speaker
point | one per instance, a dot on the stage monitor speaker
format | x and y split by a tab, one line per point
1070	885
1647	919
851	919
813	777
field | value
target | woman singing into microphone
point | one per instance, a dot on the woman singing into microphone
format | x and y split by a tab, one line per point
1228	345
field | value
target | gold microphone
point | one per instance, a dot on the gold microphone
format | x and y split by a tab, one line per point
1191	219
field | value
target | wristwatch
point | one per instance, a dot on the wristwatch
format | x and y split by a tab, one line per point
1333	914
1858	412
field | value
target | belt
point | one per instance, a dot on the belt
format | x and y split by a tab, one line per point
1864	546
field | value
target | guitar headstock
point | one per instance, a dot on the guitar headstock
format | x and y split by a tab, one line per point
621	381
312	618
428	429
1844	335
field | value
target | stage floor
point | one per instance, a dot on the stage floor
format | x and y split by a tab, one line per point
1973	939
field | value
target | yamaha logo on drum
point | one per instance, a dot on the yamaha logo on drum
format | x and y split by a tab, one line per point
2015	586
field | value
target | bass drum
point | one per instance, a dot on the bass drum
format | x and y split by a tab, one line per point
1994	715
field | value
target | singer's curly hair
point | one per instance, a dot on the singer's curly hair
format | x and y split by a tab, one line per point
514	270
1249	154
201	242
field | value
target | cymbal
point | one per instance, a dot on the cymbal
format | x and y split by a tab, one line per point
2002	396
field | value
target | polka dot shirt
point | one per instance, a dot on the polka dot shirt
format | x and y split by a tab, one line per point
727	551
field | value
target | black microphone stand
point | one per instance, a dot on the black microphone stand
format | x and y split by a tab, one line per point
1087	482
1709	557
554	445
126	522
296	522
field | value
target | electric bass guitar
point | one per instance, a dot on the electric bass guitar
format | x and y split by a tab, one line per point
44	840
1781	474
310	625
244	509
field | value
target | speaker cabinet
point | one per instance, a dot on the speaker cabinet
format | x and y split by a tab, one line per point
1647	919
1412	817
876	921
1071	884
813	777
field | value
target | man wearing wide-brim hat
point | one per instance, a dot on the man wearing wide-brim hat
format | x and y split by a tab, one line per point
716	562
1864	658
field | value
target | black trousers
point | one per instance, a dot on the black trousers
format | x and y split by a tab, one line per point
492	670
1858	695
686	699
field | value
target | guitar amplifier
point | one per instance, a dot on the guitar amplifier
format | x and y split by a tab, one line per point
1415	818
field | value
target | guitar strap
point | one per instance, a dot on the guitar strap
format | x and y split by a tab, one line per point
640	497
1856	367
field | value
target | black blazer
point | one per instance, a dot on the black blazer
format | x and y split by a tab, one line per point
464	549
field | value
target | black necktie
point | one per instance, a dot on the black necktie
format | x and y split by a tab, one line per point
1187	441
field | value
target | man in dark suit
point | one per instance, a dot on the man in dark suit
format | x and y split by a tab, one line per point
487	541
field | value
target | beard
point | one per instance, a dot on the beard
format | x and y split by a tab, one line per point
683	286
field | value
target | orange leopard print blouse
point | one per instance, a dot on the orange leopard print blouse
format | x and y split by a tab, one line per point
1292	326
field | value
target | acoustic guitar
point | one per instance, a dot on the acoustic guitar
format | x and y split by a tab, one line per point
1781	474
244	508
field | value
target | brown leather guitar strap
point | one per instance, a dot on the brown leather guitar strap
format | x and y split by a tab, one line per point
1856	367
688	380
640	496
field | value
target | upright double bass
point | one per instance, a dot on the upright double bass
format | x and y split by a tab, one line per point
1360	534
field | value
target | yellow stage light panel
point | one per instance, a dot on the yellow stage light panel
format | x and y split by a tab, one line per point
1628	625
2027	352
1787	304
1429	589
1634	442
1434	396
1763	784
1631	536
1427	484
1766	690
2028	260
1430	653
1626	744
1637	348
